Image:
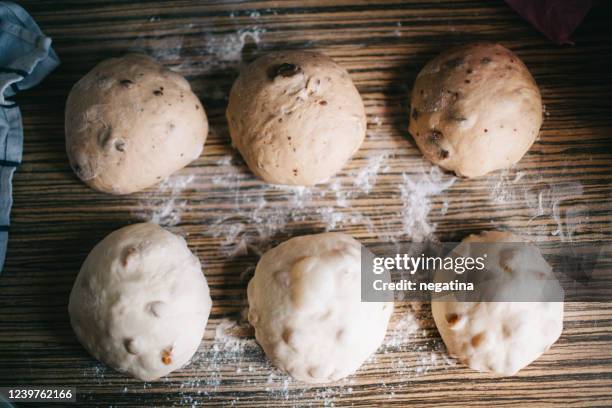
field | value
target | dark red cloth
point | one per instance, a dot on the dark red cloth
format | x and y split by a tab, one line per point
556	19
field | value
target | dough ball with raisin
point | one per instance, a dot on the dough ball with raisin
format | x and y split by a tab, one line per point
305	305
475	109
140	302
130	123
517	313
295	117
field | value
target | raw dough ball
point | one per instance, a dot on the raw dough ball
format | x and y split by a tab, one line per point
502	337
305	305
140	302
130	122
475	109
295	117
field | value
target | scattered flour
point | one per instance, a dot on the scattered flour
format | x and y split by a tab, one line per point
548	206
550	203
501	189
220	51
233	357
415	195
228	352
411	349
398	32
400	332
365	178
228	48
259	216
96	371
166	50
164	207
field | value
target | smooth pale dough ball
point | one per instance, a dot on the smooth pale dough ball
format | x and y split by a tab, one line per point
295	117
475	109
140	302
502	337
305	305
130	123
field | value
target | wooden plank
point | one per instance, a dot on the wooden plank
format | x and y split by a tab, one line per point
561	190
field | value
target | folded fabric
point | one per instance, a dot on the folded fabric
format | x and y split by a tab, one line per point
26	58
556	19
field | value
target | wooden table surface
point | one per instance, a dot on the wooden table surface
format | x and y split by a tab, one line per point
560	191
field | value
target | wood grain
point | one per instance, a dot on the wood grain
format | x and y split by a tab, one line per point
56	219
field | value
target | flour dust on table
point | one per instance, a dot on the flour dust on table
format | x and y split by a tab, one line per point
233	355
220	50
554	209
259	215
165	205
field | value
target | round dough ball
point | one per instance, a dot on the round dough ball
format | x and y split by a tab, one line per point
305	305
140	302
475	109
295	117
502	337
130	123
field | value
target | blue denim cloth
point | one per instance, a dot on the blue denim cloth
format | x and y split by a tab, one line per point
26	58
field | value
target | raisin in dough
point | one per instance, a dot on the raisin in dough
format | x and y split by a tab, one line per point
305	305
475	109
130	123
140	302
502	337
295	117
